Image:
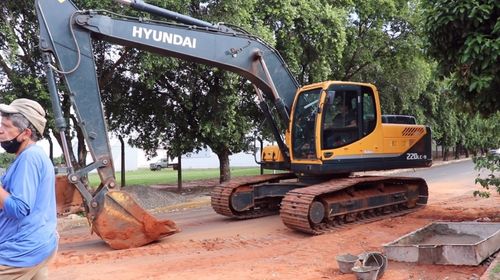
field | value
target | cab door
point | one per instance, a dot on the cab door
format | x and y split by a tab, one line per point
349	114
303	129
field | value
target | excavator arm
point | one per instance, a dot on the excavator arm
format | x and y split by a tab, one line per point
66	35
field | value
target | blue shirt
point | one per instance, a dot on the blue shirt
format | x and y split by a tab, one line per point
28	219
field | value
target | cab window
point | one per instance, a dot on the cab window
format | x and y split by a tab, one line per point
341	117
369	112
304	120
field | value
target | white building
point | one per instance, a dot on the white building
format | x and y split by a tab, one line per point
136	158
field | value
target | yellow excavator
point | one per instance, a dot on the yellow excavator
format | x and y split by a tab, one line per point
332	129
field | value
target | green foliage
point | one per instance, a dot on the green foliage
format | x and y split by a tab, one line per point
384	48
160	102
21	67
310	35
491	164
446	120
494	271
6	159
463	36
480	133
58	160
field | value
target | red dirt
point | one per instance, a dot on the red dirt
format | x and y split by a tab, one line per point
214	247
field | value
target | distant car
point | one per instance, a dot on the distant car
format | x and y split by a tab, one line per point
162	163
495	152
2	171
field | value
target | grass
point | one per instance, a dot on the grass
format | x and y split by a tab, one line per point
168	176
495	272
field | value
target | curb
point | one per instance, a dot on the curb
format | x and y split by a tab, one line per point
439	163
395	171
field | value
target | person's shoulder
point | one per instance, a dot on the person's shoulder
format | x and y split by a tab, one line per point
34	152
34	149
35	156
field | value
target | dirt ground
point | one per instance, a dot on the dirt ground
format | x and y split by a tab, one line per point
215	247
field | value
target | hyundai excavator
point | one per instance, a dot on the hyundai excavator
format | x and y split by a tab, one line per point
331	129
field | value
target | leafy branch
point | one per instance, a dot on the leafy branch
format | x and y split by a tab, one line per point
490	163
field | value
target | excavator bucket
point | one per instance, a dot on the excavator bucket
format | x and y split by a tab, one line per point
68	199
122	223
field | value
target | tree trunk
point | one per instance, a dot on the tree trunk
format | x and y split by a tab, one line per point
51	149
224	168
81	148
179	172
58	138
261	148
445	153
122	144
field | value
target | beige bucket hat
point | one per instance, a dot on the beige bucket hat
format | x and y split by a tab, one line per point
30	109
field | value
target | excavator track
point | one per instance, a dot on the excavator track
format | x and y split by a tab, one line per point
335	203
222	195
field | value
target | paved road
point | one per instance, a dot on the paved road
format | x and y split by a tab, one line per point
462	170
447	179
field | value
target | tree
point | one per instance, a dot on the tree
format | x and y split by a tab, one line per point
491	164
384	48
463	36
464	39
446	122
310	35
229	118
20	63
182	106
22	69
190	109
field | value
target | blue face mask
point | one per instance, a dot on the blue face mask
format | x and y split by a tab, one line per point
11	146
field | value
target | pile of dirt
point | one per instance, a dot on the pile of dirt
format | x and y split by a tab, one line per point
156	196
155	199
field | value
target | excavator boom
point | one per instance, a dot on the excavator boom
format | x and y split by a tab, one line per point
66	34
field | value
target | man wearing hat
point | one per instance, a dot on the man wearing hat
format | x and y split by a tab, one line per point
28	219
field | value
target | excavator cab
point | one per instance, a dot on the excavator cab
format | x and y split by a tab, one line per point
336	128
330	116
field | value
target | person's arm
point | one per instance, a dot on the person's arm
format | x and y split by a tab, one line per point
21	186
3	196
